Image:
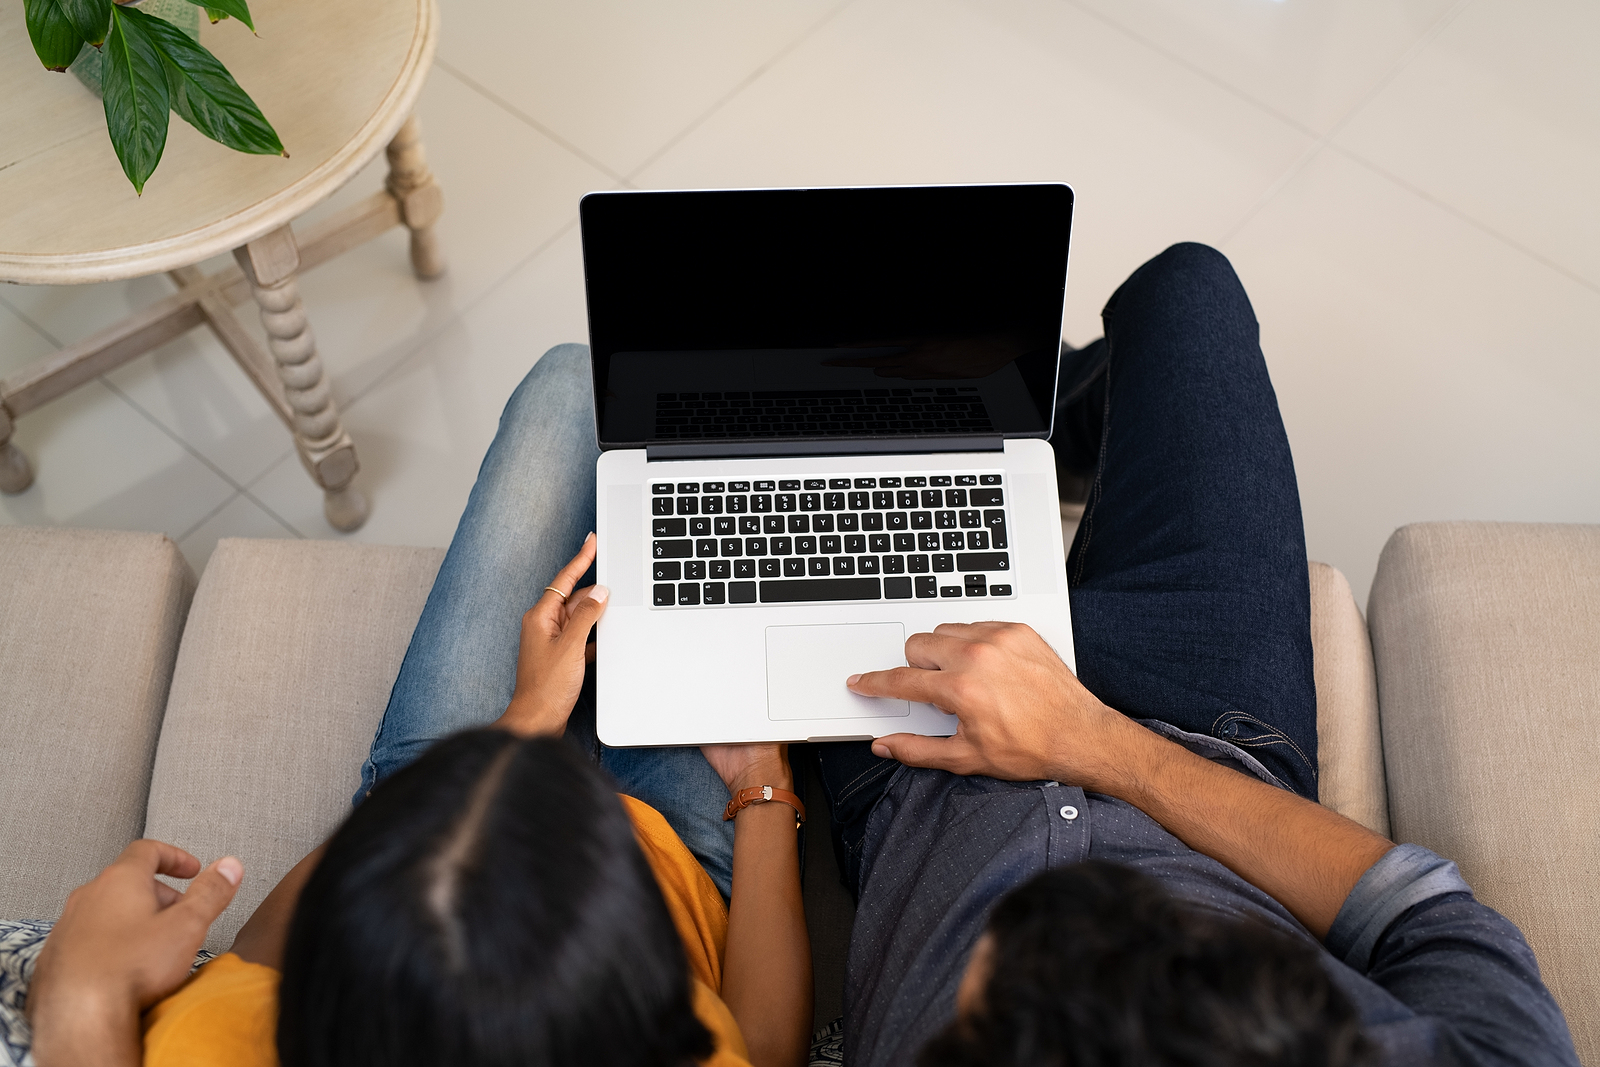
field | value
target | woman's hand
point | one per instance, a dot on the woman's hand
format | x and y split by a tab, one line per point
555	635
743	766
123	942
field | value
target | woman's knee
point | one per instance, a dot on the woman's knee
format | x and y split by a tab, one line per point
559	381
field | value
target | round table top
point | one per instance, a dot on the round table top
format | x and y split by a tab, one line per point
336	78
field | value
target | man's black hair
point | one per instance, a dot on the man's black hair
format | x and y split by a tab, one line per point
487	905
1096	965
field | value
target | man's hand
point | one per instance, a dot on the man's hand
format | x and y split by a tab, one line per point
1021	714
555	636
123	942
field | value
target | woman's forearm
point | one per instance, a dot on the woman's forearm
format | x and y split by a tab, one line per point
766	972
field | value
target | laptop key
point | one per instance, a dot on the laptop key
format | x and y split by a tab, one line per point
976	584
949	590
668	528
742	592
744	568
927	586
867	564
794	568
955	498
688	487
999	590
855	544
878	543
888	483
954	541
666	570
896	520
781	546
799	523
688	505
769	568
945	520
969	479
723	525
989	479
838	483
833	501
858	501
806	546
943	564
662	488
661	505
986	497
750	524
897	588
721	568
689	594
928	542
716	593
844	565
824	589
830	544
984	561
996	521
694	570
772	524
761	503
872	520
699	526
883	501
765	487
922	520
810	501
666	596
849	521
905	499
917	564
865	483
821	523
711	505
971	520
816	483
732	546
817	566
904	542
939	479
737	505
894	564
785	501
791	485
932	498
672	549
753	546
978	541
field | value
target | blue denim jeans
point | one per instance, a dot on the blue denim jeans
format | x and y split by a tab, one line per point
530	509
1190	598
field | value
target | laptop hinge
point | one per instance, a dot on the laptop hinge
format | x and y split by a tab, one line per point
858	447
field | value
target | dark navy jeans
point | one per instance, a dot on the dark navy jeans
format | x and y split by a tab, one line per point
1190	597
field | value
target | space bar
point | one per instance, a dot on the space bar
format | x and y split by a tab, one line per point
821	589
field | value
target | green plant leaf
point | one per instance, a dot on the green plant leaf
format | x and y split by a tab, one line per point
221	9
91	18
136	95
205	95
55	39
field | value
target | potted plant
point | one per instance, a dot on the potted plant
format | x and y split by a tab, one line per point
146	66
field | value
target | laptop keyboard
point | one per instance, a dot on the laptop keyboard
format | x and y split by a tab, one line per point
807	540
928	410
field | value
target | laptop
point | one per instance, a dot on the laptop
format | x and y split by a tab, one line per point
822	416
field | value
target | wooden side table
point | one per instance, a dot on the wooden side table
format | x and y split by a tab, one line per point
338	81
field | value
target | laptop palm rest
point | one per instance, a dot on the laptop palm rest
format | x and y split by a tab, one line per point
807	666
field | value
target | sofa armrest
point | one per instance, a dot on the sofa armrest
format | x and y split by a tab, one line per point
1349	742
1487	643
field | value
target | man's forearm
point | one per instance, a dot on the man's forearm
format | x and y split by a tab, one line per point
1307	857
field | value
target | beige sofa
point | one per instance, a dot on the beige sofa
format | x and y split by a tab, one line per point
1463	713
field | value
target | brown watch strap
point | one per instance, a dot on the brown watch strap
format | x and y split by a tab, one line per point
761	794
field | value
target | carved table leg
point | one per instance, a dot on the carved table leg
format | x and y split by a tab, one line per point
16	474
421	199
270	263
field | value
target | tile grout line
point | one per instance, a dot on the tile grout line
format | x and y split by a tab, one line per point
28	320
749	80
1326	141
207	517
458	315
526	119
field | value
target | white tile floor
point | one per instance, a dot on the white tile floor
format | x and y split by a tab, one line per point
1405	186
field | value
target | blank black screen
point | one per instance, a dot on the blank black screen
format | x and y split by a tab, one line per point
914	294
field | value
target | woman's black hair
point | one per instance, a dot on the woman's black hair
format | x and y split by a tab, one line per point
1097	965
487	905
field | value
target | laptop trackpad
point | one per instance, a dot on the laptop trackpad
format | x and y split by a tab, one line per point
807	666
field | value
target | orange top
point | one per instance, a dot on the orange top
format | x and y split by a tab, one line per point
227	1013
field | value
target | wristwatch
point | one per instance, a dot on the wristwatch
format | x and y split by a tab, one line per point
762	794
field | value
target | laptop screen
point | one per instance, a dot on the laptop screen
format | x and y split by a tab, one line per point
784	315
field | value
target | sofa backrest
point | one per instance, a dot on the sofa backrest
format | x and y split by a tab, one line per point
1487	643
286	666
89	628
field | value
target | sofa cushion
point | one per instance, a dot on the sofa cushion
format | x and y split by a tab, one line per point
1487	643
89	628
291	650
1349	745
